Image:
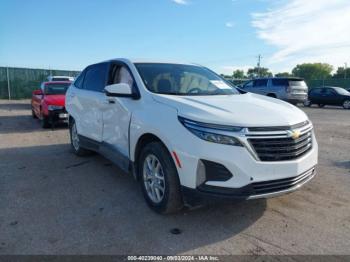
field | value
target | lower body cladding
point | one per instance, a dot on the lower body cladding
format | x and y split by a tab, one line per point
229	172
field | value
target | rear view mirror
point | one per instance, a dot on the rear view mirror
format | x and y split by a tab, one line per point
121	89
38	92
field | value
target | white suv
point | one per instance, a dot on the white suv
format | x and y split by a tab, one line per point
187	135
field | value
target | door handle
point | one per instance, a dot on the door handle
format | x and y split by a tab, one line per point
110	101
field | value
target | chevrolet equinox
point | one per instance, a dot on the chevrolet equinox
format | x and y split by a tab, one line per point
187	135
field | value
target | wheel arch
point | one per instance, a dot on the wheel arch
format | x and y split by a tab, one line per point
142	141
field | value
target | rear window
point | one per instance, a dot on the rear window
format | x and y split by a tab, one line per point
56	89
61	79
297	83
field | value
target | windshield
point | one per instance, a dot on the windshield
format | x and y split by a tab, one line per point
342	91
178	79
56	89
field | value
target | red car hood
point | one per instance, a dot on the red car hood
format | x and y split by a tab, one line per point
57	100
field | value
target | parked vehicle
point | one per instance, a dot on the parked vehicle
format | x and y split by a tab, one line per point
291	89
60	78
48	103
335	96
187	135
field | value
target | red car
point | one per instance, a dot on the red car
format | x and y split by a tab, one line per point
48	103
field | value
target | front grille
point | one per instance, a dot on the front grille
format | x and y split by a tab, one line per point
274	186
281	149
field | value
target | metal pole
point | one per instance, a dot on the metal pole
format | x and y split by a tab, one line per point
8	83
346	65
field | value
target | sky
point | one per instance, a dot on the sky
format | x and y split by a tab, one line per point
223	35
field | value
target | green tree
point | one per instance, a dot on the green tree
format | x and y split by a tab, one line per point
258	72
238	74
283	74
310	71
342	73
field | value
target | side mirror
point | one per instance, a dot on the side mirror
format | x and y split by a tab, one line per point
38	92
121	90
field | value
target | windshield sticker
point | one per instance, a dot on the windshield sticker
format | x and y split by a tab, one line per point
220	84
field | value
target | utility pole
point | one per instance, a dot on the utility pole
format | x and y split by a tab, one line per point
258	64
8	83
346	67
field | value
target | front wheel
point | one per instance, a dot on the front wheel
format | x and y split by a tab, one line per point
159	179
346	104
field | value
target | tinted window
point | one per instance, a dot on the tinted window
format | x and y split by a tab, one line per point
260	82
79	81
249	84
329	92
315	91
95	77
56	89
280	82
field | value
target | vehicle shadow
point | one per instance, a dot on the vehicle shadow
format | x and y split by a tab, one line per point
71	205
9	106
23	124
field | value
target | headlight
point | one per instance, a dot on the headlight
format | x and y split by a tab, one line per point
212	132
52	107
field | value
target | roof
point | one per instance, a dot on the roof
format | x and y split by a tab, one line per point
158	61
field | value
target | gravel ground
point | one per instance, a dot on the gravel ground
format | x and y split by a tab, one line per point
53	202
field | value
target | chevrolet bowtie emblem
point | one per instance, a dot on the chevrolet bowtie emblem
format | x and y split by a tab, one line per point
294	134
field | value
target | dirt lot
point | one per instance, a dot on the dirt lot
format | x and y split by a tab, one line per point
52	202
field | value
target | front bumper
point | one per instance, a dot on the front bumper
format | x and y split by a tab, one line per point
266	189
58	116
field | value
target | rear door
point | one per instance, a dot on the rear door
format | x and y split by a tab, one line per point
90	101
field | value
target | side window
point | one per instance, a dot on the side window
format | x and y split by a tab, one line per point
79	81
260	83
248	85
120	74
95	77
280	82
315	91
329	92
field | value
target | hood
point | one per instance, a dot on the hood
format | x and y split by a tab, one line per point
246	110
57	100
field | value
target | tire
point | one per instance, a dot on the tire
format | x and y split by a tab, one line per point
321	105
45	123
346	104
156	167
307	103
33	114
75	142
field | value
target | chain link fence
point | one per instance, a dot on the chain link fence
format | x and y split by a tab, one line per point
19	83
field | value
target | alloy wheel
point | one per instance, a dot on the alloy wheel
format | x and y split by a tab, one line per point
346	104
153	178
75	137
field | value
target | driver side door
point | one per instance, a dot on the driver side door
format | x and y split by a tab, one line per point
116	118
